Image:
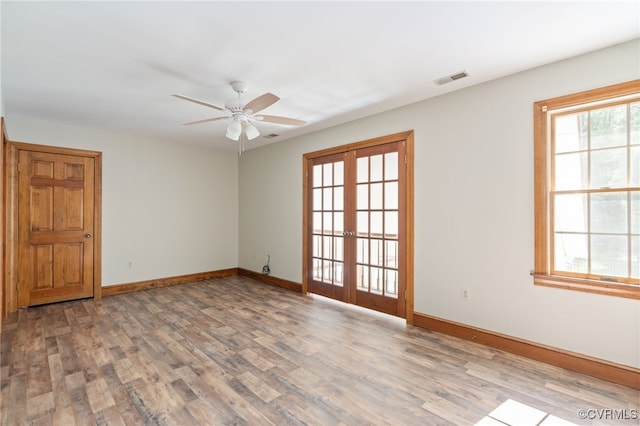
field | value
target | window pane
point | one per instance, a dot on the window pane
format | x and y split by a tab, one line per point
327	269
635	257
377	280
391	254
327	223
635	212
338	198
391	224
391	166
362	168
363	197
609	127
635	123
316	246
570	211
391	283
609	168
376	196
317	222
338	274
327	175
376	252
317	176
362	250
317	199
571	252
338	223
362	280
327	199
363	224
327	247
338	173
391	195
571	171
338	248
571	132
376	224
609	212
376	168
609	255
317	269
635	166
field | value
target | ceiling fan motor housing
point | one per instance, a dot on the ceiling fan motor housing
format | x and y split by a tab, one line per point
239	86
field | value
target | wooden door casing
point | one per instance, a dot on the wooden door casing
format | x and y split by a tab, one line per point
402	305
53	225
3	141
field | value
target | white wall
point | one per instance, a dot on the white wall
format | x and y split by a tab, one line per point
170	209
473	208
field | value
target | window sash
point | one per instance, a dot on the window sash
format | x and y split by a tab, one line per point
546	271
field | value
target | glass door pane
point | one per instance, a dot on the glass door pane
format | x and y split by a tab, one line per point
328	223
377	212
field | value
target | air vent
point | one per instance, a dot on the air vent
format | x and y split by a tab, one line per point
272	135
450	78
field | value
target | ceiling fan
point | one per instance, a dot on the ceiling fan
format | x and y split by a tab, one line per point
244	117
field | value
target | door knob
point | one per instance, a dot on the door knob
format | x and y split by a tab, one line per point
87	235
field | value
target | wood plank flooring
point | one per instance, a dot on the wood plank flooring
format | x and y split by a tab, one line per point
235	351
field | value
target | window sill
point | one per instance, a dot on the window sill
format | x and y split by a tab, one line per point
628	291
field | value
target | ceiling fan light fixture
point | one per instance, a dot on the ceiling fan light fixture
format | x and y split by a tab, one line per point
244	116
251	131
234	130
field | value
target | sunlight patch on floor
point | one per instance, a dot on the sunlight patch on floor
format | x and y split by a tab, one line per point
514	413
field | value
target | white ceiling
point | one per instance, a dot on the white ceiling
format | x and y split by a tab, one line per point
114	65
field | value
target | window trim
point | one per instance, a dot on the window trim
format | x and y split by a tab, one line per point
541	273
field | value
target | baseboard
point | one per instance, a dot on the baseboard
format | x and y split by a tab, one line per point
166	282
268	279
594	367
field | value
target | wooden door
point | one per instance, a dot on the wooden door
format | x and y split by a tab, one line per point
327	274
357	226
56	212
379	229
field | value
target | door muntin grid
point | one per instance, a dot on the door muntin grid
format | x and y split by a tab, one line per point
328	223
377	226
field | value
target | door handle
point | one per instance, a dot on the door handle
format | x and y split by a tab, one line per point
88	235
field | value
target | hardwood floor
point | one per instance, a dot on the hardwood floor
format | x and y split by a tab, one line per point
235	351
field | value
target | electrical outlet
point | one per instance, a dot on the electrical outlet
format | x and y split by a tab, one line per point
466	294
129	263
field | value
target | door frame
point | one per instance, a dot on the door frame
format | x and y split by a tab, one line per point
407	138
11	217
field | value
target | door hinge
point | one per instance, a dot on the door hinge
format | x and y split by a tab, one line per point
17	287
405	159
18	167
405	295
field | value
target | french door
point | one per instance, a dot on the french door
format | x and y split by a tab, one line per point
356	231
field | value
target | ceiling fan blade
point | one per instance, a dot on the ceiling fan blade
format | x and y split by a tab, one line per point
205	120
281	120
197	101
261	102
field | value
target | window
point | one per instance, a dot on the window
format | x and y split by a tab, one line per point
587	191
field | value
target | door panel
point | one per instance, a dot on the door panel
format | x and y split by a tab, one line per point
379	267
357	201
55	227
327	227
